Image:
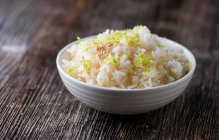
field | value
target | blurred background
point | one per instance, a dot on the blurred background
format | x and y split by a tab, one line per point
34	102
27	23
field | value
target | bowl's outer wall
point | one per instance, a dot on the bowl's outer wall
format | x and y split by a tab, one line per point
125	103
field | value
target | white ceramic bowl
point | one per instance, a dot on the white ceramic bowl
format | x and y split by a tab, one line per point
126	101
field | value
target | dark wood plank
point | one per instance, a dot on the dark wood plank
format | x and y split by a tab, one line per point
34	103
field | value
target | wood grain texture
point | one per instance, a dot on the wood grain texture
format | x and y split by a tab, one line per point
34	103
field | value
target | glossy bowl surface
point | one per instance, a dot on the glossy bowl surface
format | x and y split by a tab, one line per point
126	101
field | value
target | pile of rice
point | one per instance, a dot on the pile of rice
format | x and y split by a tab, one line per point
132	58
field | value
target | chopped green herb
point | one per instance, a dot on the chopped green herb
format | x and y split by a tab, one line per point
161	46
87	65
146	69
144	59
135	41
70	70
87	48
190	65
128	56
78	38
139	27
111	60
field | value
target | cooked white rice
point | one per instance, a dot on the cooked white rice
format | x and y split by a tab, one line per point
132	58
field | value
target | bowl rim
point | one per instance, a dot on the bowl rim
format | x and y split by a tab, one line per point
189	74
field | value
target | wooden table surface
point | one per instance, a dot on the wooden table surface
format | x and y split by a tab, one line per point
34	104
